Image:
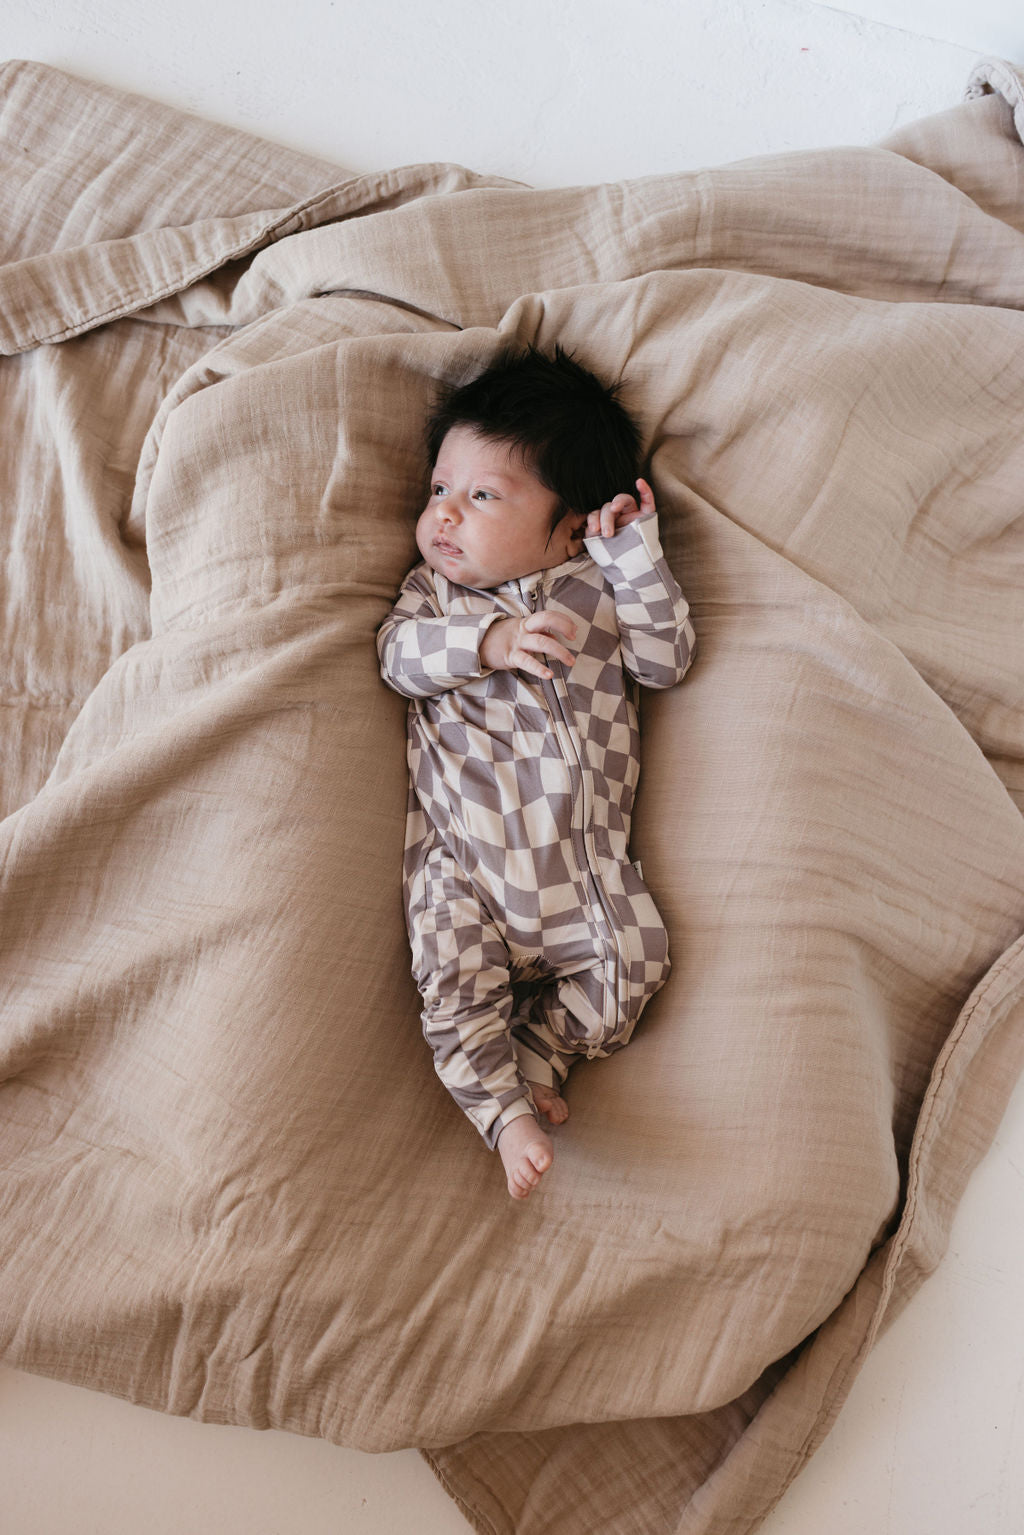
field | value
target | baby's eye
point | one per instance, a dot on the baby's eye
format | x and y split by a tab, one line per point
437	490
481	495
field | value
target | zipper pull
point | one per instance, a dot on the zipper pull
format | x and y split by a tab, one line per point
529	596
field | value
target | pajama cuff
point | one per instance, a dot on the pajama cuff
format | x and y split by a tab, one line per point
538	1068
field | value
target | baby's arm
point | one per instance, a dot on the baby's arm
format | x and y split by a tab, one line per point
423	651
658	642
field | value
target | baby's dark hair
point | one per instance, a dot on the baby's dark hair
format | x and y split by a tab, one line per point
568	426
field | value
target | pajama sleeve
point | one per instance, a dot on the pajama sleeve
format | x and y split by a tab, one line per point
423	651
657	637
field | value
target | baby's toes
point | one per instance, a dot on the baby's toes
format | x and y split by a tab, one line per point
528	1171
548	1102
523	1179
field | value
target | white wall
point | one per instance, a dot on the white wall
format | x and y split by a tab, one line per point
582	90
993	26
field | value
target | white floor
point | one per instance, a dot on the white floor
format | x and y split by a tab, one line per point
932	1439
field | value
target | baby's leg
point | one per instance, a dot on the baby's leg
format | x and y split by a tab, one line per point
460	963
571	1017
544	1064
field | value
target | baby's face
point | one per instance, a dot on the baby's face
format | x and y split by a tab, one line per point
488	519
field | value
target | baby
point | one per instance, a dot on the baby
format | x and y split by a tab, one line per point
542	597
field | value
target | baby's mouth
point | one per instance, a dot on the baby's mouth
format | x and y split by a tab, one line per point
445	547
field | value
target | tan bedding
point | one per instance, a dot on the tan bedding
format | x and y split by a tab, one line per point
233	1187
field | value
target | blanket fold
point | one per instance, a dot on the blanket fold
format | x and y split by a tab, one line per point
233	1187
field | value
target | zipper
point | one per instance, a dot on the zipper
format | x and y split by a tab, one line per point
582	796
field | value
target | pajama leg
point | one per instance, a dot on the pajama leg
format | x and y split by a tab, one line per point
592	1003
566	1019
461	966
542	1057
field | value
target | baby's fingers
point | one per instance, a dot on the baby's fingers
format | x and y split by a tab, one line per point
550	621
523	661
543	644
535	642
615	512
646	497
610	514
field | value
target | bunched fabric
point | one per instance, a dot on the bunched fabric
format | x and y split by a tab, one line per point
231	1186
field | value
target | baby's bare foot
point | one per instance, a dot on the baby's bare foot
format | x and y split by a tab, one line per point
554	1108
526	1152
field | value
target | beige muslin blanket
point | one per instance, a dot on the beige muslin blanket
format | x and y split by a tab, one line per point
232	1185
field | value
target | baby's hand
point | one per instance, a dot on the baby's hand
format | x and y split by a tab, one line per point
516	644
615	514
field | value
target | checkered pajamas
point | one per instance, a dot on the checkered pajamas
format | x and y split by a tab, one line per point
534	938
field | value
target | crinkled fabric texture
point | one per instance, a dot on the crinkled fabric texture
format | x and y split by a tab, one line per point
233	1187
